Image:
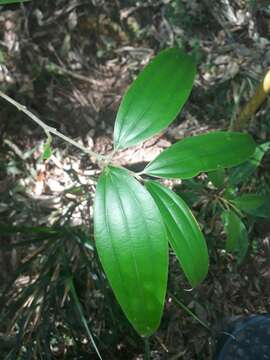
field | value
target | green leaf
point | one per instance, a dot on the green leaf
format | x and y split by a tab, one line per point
14	229
247	202
184	232
244	171
155	98
47	150
193	185
262	211
70	286
229	193
7	2
207	152
237	237
190	197
217	177
132	245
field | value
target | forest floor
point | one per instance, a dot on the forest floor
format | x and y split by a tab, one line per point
70	62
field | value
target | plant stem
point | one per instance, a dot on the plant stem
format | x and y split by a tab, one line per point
50	130
146	349
253	104
228	204
191	313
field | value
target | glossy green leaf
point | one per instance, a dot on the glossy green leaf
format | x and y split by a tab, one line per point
155	98
132	245
184	232
247	202
244	171
237	237
207	152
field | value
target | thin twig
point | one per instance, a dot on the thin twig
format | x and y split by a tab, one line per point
178	302
50	130
63	70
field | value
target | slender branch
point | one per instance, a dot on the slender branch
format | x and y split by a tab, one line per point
178	302
111	155
50	130
62	70
136	175
228	204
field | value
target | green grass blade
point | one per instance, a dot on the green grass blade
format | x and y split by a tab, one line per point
80	311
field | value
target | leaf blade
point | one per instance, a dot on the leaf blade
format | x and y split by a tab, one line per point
249	202
47	150
184	232
155	98
244	171
237	237
134	233
258	209
208	152
217	177
7	2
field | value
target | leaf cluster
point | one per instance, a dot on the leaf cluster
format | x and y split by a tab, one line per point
134	223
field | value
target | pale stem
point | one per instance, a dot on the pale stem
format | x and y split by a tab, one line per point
48	129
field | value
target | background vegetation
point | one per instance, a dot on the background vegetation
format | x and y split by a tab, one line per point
70	62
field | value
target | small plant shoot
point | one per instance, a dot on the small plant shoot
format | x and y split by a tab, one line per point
136	218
